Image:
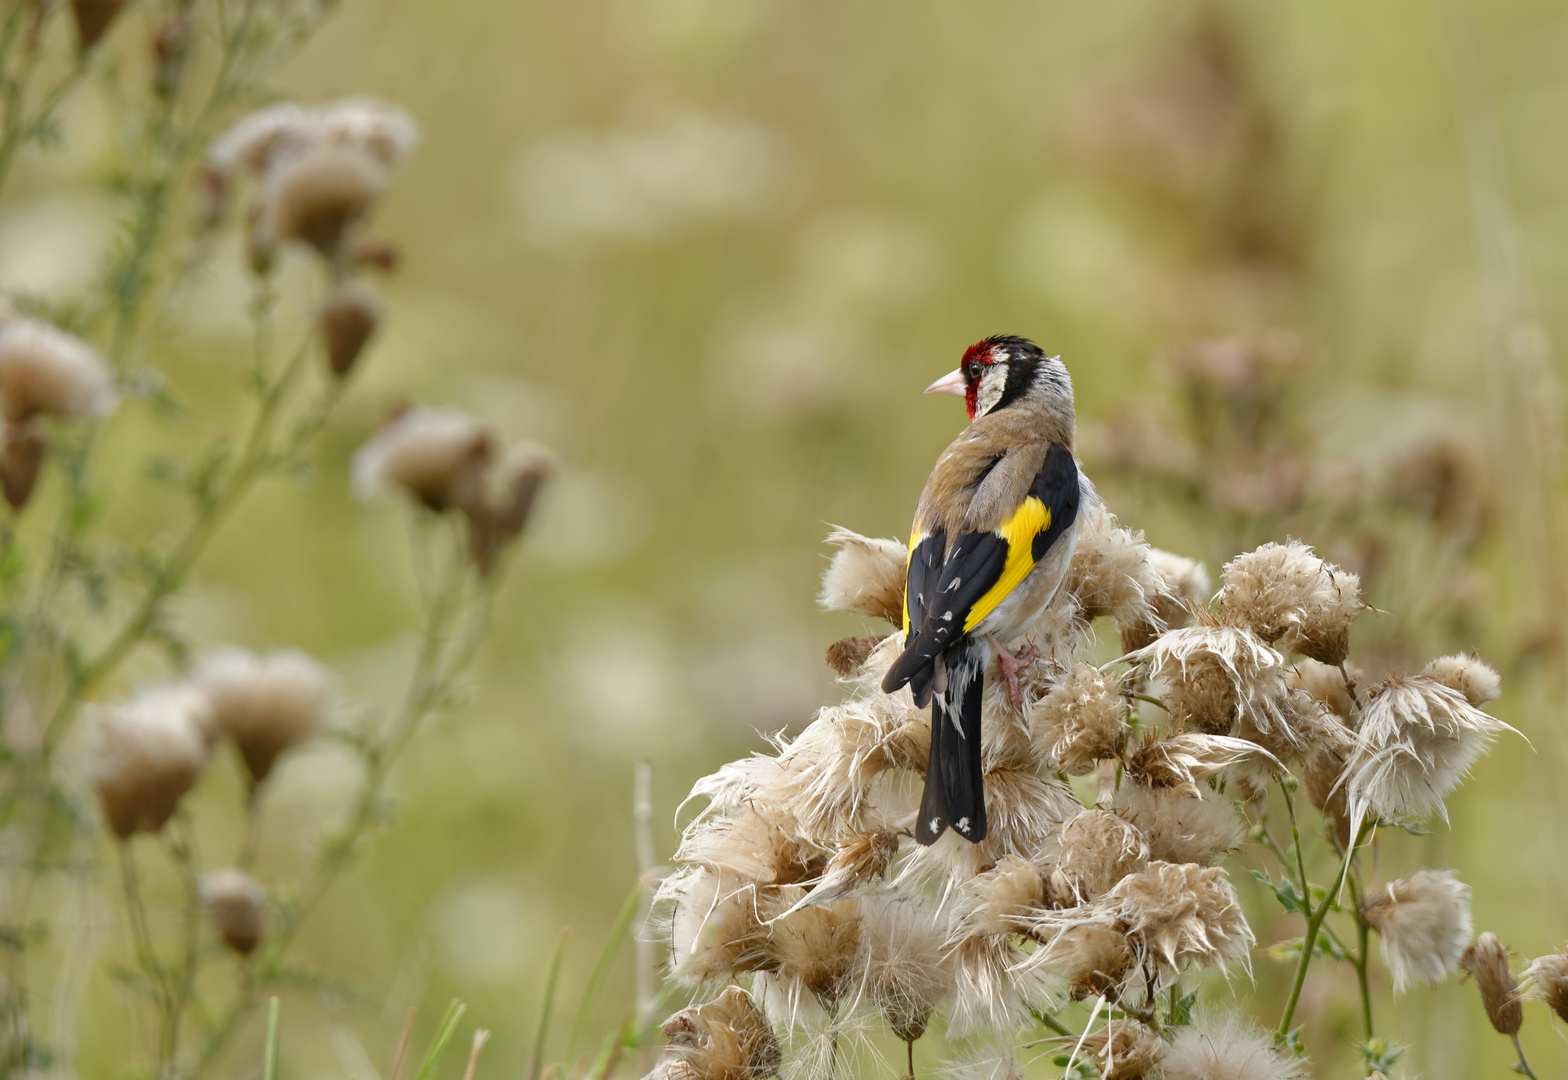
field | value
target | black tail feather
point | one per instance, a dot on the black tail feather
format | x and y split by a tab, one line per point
955	782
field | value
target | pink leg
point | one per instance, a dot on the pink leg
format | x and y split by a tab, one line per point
1010	665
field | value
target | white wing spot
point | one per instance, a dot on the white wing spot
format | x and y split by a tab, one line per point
936	823
955	584
962	825
947	617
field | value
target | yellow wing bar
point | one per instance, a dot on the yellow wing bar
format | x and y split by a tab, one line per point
1018	532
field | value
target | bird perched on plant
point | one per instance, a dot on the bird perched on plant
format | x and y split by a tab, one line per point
993	536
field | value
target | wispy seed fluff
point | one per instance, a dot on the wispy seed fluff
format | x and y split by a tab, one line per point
45	371
1219	676
1111	575
865	577
1472	677
1181	829
1423	924
1293	600
1081	721
904	966
714	925
1000	901
1546	979
1227	1048
145	754
265	704
235	906
438	456
1487	960
1124	1050
1417	740
1090	854
726	1039
1179	763
1186	586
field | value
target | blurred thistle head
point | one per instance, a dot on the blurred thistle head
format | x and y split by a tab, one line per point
1081	721
866	577
1423	925
1124	1050
438	456
1180	828
265	704
1228	1048
904	964
348	319
319	194
1487	960
1090	854
45	371
235	906
1417	740
507	503
727	1038
146	753
1219	675
23	448
1293	600
1546	979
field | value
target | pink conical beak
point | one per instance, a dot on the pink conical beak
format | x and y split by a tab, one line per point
951	383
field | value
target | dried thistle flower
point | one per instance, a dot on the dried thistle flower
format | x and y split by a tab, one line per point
1124	1050
858	859
1091	853
866	576
1000	900
994	988
348	318
1417	740
747	846
1487	960
712	924
1227	1048
903	964
266	704
1292	599
23	448
1096	959
1111	573
268	137
1546	979
1080	722
1325	684
1219	675
145	754
235	906
319	194
440	457
1181	762
507	504
45	371
1477	680
1180	829
1186	586
727	1038
847	654
1423	924
812	946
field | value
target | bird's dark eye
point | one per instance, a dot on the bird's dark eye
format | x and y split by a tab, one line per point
972	372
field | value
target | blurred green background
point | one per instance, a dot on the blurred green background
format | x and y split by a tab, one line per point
710	252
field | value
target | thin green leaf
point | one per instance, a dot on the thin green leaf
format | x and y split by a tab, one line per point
536	1059
438	1042
601	968
269	1059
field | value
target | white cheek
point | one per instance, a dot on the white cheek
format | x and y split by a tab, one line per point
990	392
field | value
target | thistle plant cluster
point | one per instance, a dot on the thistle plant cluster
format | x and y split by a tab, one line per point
803	917
104	779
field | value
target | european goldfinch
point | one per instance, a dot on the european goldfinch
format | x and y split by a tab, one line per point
993	536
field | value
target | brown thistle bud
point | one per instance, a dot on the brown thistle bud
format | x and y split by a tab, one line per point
348	319
45	371
1423	922
93	19
23	448
1487	960
503	515
847	654
146	754
235	906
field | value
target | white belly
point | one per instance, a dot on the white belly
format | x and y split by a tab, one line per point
1021	608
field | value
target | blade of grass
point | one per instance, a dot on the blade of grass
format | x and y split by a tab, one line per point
537	1057
443	1035
269	1059
481	1036
610	1054
402	1043
601	968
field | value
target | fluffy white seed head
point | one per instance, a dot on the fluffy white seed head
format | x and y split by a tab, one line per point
318	195
1091	854
999	901
262	139
45	371
1186	586
235	906
1217	676
1123	1050
727	1038
1182	829
1423	925
145	754
265	704
1227	1048
994	988
866	576
712	923
1080	722
1292	599
1477	680
1546	979
438	456
904	965
1180	763
1111	574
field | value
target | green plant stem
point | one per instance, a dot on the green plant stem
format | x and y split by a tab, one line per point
182	980
136	915
1524	1063
1361	958
1314	924
1053	1023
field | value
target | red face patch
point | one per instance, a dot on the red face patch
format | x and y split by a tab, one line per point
981	354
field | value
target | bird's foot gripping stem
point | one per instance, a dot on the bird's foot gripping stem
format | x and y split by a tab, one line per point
1010	663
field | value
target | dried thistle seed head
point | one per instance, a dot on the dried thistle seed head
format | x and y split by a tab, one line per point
866	576
1323	778
813	946
253	139
1417	740
1022	810
1290	598
1124	1050
1080	722
747	846
145	754
265	139
266	704
347	320
994	987
23	447
46	372
1325	684
1180	829
93	19
999	900
726	1039
1228	1048
1179	763
1186	586
858	859
1096	959
1423	923
904	965
1091	853
1218	675
714	928
235	906
439	456
1181	914
1470	675
1111	573
847	654
1487	960
1546	979
319	194
508	505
